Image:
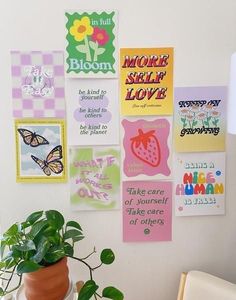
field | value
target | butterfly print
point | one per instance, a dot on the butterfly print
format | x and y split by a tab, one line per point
52	162
31	138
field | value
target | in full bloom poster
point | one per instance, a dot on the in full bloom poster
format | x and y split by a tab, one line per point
91	44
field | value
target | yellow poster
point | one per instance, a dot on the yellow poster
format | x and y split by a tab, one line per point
146	79
40	150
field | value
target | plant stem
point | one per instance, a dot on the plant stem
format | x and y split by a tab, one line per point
98	295
18	285
97	267
84	258
84	262
88	54
95	57
9	279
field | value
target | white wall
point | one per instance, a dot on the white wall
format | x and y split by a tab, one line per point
203	34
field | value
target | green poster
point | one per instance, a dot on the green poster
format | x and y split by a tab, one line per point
95	178
91	44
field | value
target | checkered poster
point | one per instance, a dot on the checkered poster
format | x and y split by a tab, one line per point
38	84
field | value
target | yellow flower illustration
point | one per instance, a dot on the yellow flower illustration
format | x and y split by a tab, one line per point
81	28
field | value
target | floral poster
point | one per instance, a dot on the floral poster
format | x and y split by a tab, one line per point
200	121
146	81
94	178
92	111
40	150
38	84
147	211
199	187
146	148
91	44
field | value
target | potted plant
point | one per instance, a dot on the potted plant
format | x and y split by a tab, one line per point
41	244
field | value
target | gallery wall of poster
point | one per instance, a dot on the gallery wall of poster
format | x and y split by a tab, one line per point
201	59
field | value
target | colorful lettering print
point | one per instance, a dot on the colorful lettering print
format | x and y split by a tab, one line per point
199	183
146	81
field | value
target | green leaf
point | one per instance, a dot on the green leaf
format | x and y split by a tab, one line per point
194	123
27	266
34	217
16	254
73	224
100	51
72	234
26	246
82	48
55	219
1	292
78	238
54	254
24	225
107	256
42	249
2	265
37	228
12	231
112	293
88	290
68	249
93	45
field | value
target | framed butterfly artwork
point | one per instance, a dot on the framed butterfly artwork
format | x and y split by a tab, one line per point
40	150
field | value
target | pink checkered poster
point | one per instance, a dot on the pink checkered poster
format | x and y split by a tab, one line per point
147	211
38	84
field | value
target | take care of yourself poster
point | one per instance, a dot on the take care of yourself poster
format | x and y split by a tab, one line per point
200	119
91	44
40	150
199	183
146	81
95	178
147	211
92	111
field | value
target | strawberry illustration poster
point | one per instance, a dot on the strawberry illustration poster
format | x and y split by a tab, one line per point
146	148
146	81
147	211
91	44
38	84
94	178
199	184
93	117
200	119
40	150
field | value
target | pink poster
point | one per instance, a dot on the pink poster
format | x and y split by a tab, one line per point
38	84
147	148
147	211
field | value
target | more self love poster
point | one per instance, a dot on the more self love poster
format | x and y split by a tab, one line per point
95	178
146	81
147	211
199	184
92	111
146	148
91	44
40	150
38	84
200	119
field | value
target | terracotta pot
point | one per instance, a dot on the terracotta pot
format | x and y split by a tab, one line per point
49	283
